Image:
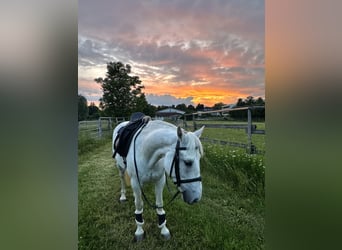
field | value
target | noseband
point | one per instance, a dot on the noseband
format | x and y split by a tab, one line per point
175	163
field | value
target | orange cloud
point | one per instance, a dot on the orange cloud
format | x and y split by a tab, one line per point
207	95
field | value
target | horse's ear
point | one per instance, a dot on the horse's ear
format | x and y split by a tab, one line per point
179	133
198	133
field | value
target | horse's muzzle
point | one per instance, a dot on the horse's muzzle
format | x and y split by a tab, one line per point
190	198
191	202
194	201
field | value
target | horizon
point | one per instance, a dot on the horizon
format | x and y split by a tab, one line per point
175	105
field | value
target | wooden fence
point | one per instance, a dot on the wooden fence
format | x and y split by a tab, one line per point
249	127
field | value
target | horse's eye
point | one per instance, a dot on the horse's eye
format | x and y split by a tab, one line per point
188	163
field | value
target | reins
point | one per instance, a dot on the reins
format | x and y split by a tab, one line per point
175	163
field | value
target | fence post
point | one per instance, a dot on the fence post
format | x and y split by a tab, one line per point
249	131
110	123
193	120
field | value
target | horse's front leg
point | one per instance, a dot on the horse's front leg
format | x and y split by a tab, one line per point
139	232
160	211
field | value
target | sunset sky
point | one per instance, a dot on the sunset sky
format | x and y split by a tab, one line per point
194	51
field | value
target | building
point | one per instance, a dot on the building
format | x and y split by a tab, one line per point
229	106
169	113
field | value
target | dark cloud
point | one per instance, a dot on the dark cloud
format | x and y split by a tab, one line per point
89	54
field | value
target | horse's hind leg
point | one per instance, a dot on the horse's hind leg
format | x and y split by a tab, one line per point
122	169
160	211
123	184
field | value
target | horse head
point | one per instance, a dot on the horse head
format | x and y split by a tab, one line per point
189	153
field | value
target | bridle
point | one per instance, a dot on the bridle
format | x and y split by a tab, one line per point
175	163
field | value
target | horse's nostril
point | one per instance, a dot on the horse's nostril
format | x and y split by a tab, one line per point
193	201
188	163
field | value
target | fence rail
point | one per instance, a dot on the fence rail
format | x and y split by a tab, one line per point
104	126
249	128
99	128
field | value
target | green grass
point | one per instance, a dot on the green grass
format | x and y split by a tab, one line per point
87	143
234	135
229	216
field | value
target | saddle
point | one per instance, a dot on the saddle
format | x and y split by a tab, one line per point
125	134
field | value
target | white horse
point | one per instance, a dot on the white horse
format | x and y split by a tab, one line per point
157	148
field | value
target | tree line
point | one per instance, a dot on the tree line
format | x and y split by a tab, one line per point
250	101
123	95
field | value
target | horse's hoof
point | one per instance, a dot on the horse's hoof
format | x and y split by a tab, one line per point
166	236
123	200
139	237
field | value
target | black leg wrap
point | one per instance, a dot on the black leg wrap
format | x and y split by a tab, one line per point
161	218
139	218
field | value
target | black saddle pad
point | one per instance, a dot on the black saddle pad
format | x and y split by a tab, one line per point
125	134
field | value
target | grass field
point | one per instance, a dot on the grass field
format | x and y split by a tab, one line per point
229	216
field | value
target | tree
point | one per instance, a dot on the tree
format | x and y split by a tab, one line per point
191	109
250	101
218	106
181	107
94	112
258	114
260	102
240	103
200	107
82	108
143	106
122	93
151	110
